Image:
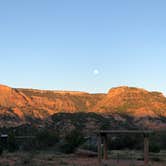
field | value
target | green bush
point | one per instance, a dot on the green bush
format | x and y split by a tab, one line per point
91	147
28	145
154	148
72	141
124	141
12	144
45	139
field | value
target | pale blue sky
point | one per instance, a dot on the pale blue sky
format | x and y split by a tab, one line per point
57	44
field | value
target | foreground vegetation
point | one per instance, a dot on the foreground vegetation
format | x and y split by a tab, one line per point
68	132
51	149
48	158
57	143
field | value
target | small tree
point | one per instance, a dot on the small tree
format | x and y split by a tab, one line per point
12	144
72	141
154	148
46	139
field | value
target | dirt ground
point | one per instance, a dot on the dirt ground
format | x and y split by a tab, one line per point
51	159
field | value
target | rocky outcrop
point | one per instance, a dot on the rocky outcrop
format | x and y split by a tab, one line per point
132	101
19	106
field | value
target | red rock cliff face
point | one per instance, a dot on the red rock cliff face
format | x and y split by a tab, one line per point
41	103
132	101
11	97
18	105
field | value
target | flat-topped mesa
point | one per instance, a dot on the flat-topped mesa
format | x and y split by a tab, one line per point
132	101
54	91
124	89
133	91
71	92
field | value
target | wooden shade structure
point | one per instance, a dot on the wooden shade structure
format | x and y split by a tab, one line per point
103	134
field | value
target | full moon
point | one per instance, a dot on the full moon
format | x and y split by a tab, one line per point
96	72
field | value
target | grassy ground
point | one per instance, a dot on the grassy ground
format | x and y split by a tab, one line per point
52	159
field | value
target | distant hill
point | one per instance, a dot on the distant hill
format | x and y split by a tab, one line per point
132	101
30	106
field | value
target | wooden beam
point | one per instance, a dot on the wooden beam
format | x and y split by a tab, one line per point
105	147
99	150
146	150
102	132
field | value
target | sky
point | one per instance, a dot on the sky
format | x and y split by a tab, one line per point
84	45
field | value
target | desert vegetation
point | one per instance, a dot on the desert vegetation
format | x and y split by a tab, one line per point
49	147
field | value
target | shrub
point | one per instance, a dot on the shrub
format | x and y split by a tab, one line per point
91	147
45	139
28	145
154	148
12	144
72	141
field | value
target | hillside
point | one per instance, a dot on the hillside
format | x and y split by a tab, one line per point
19	106
133	101
22	106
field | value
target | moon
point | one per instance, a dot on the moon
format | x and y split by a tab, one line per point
96	72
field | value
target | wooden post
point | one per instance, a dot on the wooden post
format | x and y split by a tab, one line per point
99	150
146	150
105	147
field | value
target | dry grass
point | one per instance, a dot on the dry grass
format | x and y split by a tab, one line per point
51	159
